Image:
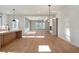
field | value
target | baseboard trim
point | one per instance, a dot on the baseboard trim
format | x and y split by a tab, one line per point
68	41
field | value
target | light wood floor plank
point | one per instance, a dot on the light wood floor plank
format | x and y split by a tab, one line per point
30	45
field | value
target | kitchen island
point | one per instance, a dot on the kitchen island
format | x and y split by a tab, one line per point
7	37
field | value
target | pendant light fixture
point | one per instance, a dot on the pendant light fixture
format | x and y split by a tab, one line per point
50	27
49	12
13	14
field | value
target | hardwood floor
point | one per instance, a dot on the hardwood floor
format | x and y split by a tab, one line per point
31	44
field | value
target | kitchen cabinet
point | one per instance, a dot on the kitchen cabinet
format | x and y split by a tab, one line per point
8	37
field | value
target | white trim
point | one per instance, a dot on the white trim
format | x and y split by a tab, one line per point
68	41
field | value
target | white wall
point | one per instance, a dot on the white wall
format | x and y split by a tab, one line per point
68	24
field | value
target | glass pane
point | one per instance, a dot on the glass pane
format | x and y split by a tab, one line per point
27	28
0	21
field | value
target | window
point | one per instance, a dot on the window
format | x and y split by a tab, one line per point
0	21
27	25
38	25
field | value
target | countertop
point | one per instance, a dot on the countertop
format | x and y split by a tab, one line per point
9	31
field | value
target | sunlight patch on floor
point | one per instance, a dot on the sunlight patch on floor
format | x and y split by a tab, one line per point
44	48
10	52
32	32
2	52
33	36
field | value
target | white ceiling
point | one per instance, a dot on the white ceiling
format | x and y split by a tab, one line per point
28	9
